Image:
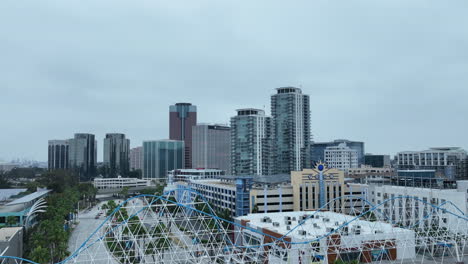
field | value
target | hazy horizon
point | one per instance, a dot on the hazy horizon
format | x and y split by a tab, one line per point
390	73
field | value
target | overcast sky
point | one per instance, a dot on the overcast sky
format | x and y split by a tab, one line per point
392	73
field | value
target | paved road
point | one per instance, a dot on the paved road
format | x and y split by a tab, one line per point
97	253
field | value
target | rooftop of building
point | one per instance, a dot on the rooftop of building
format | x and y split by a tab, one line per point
197	170
288	89
250	111
7	232
5	194
436	149
30	197
265	179
163	140
317	225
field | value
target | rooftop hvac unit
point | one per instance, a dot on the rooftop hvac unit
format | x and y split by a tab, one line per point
337	223
326	219
329	229
357	231
268	220
316	226
378	232
294	218
287	218
317	216
288	222
302	232
276	224
288	228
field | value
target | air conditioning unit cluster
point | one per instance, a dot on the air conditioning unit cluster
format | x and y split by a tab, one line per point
302	232
316	226
266	219
276	224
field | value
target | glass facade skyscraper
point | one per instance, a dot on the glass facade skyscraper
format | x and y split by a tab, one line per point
161	156
211	147
116	154
58	154
82	155
251	143
290	110
182	117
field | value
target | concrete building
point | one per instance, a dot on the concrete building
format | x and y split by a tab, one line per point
243	194
83	155
58	154
11	243
368	174
450	162
136	158
161	156
357	241
318	149
410	212
336	191
211	147
290	111
182	117
251	143
116	154
186	175
341	157
119	183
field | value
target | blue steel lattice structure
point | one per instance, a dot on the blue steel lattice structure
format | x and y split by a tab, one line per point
153	230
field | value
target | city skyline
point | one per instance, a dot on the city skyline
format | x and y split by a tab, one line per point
394	83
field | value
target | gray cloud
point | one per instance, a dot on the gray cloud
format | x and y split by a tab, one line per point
391	73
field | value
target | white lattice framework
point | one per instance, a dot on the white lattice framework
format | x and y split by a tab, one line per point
159	229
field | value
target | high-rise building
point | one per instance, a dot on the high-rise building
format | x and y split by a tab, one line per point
160	157
182	117
318	149
82	155
211	146
136	158
58	154
251	143
290	110
341	157
450	161
116	154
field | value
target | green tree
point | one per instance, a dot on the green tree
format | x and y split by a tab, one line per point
124	191
11	220
40	255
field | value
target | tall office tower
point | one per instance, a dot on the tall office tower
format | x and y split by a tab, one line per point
290	112
116	154
182	117
318	149
211	147
58	154
136	158
341	157
251	143
160	157
82	155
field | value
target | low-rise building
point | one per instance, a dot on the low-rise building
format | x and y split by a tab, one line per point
185	175
309	237
119	183
368	174
22	210
412	206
